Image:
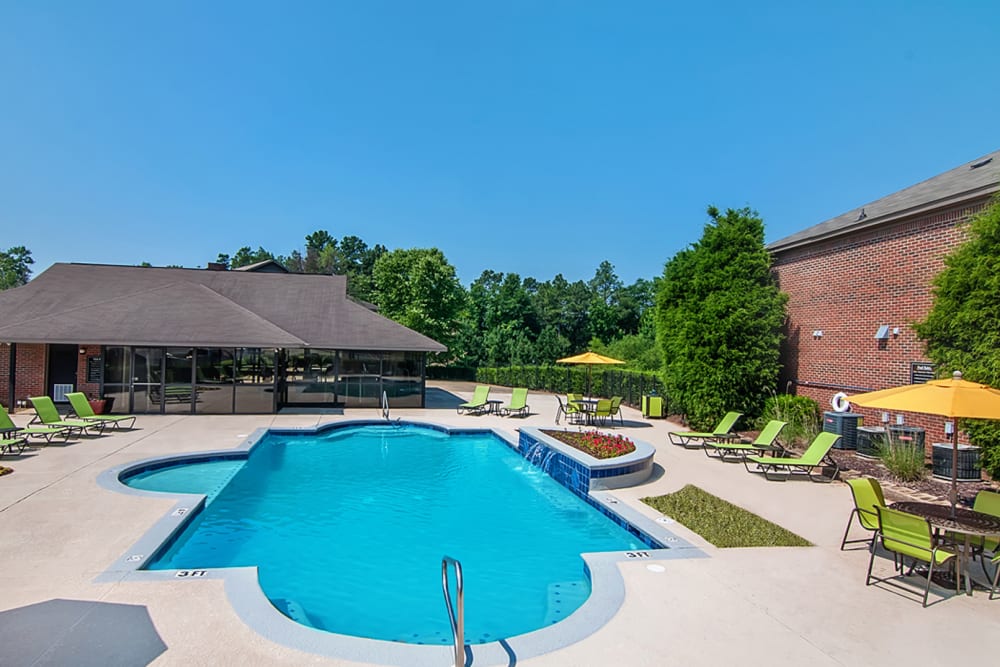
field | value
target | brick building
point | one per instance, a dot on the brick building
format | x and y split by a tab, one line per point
857	282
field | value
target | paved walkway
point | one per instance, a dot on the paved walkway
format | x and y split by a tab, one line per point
780	606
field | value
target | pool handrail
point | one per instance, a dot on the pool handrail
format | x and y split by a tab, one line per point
456	616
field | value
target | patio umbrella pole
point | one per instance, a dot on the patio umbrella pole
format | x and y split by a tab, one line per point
954	468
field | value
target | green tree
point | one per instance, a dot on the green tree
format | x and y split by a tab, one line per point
718	320
15	267
419	289
962	329
246	256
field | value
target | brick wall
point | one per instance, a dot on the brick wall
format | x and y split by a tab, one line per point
29	377
850	286
32	368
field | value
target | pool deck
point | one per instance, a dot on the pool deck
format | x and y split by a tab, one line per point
777	606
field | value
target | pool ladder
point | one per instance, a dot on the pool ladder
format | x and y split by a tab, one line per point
385	406
456	612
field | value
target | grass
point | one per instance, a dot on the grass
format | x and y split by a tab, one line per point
722	523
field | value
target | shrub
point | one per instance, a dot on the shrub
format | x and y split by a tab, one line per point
903	458
801	412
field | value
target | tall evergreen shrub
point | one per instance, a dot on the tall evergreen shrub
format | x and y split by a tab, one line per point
719	316
962	329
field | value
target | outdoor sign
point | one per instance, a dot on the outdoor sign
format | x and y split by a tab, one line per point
921	372
95	370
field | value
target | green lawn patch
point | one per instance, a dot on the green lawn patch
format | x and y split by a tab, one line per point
722	523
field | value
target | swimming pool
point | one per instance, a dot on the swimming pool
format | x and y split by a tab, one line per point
202	482
348	528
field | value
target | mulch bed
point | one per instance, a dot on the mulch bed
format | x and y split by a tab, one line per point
852	465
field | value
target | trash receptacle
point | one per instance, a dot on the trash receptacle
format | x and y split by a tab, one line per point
968	462
652	406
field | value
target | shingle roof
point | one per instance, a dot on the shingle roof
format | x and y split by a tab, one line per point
127	305
950	188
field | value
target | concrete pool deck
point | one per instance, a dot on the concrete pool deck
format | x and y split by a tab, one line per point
60	531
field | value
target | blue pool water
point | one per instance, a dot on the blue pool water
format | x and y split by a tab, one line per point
348	528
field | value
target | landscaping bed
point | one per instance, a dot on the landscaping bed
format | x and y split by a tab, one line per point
722	523
596	444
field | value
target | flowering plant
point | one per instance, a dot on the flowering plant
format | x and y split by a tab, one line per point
597	444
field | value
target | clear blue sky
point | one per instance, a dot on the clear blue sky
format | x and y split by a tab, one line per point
522	136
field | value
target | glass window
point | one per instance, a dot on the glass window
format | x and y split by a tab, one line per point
402	378
360	378
116	365
178	389
254	369
214	378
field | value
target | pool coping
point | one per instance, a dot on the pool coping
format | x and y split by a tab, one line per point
255	609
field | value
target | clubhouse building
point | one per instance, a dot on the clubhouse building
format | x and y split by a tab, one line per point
204	341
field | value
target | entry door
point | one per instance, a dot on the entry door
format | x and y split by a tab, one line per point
62	371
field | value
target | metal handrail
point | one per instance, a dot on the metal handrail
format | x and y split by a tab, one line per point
456	613
385	406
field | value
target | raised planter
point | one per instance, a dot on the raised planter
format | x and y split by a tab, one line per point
581	472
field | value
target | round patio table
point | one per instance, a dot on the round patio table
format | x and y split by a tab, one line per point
969	523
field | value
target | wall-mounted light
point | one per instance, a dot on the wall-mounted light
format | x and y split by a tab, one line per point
899	420
882	333
949	428
83	350
885	417
895	331
818	333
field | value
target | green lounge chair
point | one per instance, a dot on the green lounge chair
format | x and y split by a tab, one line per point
46	432
765	443
907	535
46	413
477	403
518	403
691	439
7	444
81	406
816	456
868	497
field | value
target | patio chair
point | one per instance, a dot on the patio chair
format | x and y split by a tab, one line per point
765	442
477	403
816	456
573	402
908	535
616	409
46	413
571	414
518	403
81	406
868	496
995	588
723	431
46	432
602	410
983	547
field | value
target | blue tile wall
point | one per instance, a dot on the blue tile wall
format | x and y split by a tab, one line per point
575	476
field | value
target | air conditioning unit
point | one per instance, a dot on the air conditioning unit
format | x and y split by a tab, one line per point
844	424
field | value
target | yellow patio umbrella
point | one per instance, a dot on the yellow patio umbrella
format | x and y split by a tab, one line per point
589	358
953	397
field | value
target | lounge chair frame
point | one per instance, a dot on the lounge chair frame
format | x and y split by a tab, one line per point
816	456
81	406
47	414
694	439
766	442
518	403
478	404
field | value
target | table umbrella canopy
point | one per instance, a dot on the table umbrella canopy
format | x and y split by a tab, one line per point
589	358
953	397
